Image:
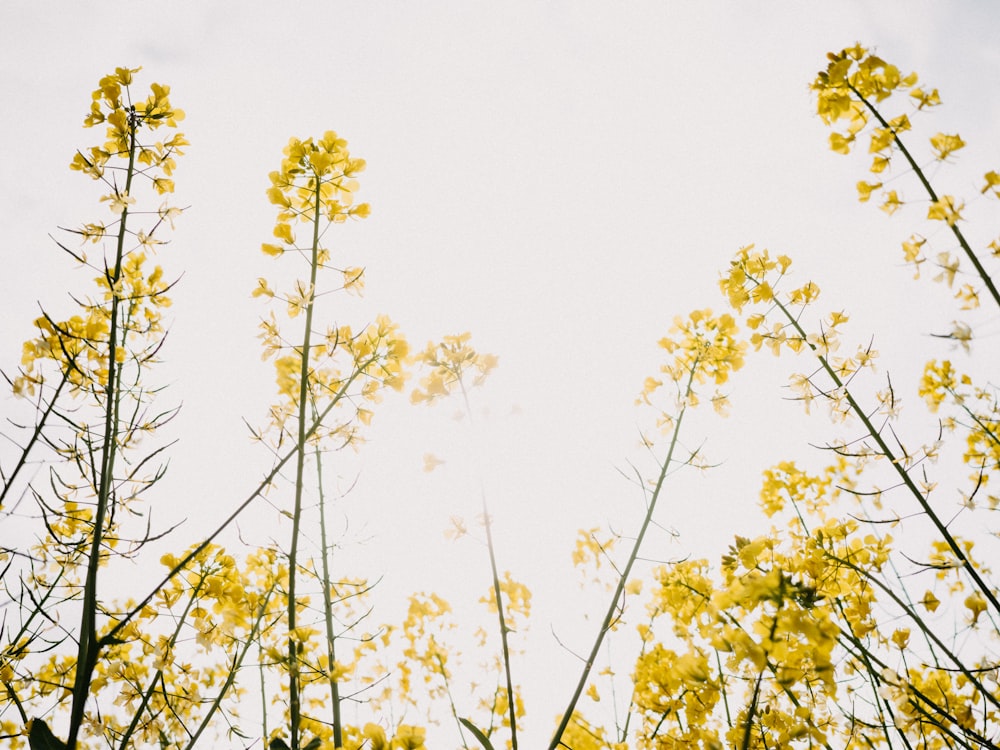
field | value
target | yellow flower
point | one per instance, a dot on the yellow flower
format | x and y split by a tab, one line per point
968	296
949	267
262	288
945	145
879	163
976	605
944	209
118	201
283	231
409	738
354	280
992	183
865	190
449	361
431	462
926	99
912	248
841	144
900	637
375	736
892	202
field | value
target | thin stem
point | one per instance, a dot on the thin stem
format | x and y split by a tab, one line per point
254	494
294	700
896	464
230	680
157	676
497	592
89	644
622	580
451	700
722	688
8	481
751	710
263	690
983	274
328	606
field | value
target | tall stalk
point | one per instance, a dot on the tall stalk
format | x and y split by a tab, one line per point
497	591
331	636
614	604
983	274
89	645
303	402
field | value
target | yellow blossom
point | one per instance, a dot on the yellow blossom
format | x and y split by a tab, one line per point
945	209
945	145
431	462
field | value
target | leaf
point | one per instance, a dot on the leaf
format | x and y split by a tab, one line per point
40	737
314	744
277	744
478	734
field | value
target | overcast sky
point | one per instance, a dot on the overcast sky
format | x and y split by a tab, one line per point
559	178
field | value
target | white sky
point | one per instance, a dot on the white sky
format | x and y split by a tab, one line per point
560	178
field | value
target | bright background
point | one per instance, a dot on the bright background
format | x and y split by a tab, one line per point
559	178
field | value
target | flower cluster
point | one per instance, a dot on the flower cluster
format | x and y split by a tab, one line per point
975	413
316	186
449	361
754	278
123	318
702	349
852	89
765	650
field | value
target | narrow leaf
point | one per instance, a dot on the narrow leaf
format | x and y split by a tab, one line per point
477	733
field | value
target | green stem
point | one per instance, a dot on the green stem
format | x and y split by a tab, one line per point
150	689
451	699
294	699
751	710
257	492
90	644
497	592
231	675
622	580
263	690
331	652
932	194
722	688
8	481
896	463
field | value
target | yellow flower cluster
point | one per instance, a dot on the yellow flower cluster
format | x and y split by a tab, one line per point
317	178
374	737
426	629
766	635
123	119
977	415
316	184
852	88
423	671
754	278
169	668
702	349
855	80
517	601
80	345
449	361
